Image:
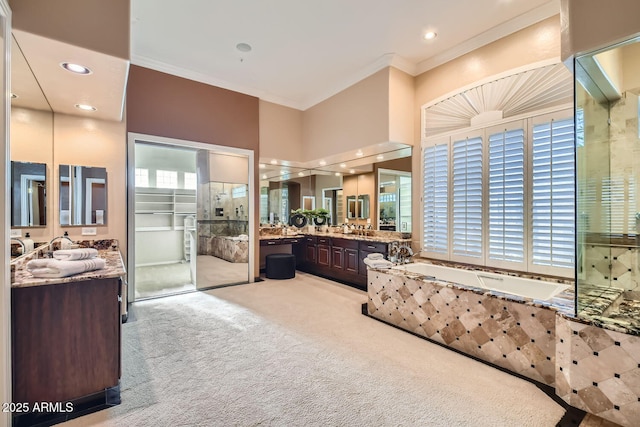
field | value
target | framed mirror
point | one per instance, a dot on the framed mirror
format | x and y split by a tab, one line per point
83	195
358	207
28	194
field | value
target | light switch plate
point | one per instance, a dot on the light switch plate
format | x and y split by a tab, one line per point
16	233
89	231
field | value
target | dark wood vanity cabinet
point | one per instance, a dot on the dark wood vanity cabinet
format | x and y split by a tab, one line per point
324	252
338	259
65	340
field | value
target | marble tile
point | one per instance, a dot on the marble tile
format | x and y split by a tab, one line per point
482	325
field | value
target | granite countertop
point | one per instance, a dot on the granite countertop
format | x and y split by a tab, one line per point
114	268
351	236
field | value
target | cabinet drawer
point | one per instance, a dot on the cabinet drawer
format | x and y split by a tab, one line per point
345	243
373	247
324	240
270	242
290	241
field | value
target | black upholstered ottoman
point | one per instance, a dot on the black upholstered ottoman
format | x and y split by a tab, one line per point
280	266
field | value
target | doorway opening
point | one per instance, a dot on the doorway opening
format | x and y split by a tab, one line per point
189	206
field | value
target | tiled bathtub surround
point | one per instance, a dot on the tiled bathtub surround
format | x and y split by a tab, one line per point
517	336
229	249
598	371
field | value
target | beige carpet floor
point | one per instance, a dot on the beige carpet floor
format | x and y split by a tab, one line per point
300	353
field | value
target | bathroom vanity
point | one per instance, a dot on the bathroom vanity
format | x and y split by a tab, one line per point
336	256
66	341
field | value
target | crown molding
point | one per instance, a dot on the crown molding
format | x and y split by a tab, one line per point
146	62
527	19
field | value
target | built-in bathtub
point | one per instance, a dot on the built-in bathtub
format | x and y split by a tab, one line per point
512	285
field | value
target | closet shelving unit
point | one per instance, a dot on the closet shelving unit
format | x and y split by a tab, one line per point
163	209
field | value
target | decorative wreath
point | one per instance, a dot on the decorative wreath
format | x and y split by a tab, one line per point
320	220
297	220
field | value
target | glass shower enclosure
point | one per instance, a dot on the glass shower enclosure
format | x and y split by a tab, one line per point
607	151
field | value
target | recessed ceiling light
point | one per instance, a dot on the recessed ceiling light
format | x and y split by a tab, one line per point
343	165
283	172
85	107
274	162
359	153
430	35
352	171
243	47
337	173
300	173
262	166
380	157
75	68
264	176
322	163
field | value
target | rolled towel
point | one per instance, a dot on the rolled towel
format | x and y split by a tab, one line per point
375	256
53	268
74	254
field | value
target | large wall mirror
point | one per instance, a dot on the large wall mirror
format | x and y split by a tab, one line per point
83	195
346	189
394	200
31	149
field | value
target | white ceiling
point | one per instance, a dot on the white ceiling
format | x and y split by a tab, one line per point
303	51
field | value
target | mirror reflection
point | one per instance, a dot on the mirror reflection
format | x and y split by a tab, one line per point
358	207
83	195
28	194
394	200
31	146
347	190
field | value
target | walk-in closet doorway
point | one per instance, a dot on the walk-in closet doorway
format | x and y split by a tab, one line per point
189	216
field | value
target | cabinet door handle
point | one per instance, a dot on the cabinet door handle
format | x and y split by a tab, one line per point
271	243
371	247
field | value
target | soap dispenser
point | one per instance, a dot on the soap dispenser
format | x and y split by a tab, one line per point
66	242
28	243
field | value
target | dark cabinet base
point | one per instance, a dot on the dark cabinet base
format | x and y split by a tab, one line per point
338	259
66	411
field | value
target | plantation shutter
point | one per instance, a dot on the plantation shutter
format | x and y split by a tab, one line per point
506	196
467	198
435	186
553	219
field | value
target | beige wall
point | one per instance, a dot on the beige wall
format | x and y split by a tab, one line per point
280	132
89	142
401	104
592	24
97	25
356	117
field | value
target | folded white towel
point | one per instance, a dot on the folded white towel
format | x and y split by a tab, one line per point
378	263
53	268
74	254
375	256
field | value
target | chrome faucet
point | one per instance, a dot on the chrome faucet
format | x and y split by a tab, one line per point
64	236
24	248
404	254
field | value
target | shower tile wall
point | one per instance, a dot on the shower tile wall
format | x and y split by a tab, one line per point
615	266
512	335
598	371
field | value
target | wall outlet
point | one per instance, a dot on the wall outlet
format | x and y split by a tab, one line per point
16	233
89	231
